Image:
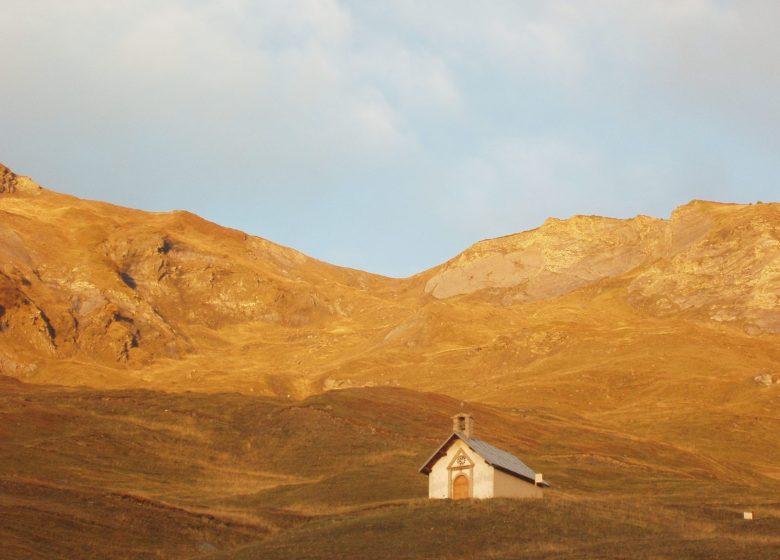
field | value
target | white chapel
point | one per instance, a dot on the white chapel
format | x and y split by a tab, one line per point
465	467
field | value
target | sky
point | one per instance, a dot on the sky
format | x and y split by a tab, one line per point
390	135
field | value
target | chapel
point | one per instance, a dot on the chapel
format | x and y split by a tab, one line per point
465	467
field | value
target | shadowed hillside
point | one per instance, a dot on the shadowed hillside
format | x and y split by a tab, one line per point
134	473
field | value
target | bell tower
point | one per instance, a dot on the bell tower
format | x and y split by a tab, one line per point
463	423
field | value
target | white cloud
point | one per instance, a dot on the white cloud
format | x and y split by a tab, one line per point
419	80
270	82
494	114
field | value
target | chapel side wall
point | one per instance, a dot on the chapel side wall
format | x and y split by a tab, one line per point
438	480
508	486
483	477
439	477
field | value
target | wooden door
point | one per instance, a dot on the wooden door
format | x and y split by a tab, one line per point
460	488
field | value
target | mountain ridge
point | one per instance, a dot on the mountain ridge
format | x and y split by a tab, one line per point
121	288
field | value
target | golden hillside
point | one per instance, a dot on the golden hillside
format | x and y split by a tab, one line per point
170	300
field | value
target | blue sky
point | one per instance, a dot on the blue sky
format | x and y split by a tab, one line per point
389	136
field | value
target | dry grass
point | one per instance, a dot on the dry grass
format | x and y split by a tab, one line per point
552	528
140	474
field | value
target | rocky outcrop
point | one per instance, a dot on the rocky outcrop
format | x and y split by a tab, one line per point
723	265
766	379
11	183
7	180
718	262
555	259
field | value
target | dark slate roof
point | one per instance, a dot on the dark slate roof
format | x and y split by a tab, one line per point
498	458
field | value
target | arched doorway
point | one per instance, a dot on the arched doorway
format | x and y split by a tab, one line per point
460	488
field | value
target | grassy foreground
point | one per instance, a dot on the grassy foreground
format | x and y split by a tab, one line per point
551	528
135	474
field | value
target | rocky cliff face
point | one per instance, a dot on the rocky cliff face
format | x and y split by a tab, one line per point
720	261
723	264
555	259
10	182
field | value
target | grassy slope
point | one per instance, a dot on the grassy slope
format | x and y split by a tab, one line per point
557	528
139	474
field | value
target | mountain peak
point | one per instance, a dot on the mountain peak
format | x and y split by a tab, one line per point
11	183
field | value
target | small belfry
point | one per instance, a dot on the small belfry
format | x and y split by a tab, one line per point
465	467
463	423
